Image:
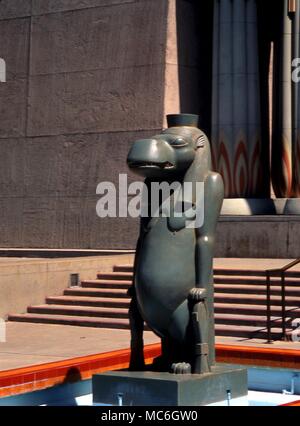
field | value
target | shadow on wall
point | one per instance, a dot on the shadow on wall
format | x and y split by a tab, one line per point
194	41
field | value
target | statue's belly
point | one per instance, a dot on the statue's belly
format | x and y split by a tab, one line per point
165	273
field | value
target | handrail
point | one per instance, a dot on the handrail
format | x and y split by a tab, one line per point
281	273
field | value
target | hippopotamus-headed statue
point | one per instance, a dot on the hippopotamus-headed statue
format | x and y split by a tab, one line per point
172	289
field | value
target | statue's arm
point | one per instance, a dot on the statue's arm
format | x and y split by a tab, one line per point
142	230
137	254
135	319
205	235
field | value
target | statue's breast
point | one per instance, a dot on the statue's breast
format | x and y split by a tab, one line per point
165	271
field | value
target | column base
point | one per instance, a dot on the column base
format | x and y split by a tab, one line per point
260	207
292	206
248	207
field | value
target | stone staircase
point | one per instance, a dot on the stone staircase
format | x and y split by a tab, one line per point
240	303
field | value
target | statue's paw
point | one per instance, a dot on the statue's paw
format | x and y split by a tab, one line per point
181	368
197	294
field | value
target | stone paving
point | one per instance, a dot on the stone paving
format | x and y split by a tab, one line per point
33	344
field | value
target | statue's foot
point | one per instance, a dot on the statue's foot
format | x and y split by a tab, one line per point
181	368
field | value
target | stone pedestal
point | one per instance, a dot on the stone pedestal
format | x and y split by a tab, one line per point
165	389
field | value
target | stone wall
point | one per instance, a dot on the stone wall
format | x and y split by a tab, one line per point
84	79
270	237
27	282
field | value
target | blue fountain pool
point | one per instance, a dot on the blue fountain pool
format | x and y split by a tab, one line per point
267	387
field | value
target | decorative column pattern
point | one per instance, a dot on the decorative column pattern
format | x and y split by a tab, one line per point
236	116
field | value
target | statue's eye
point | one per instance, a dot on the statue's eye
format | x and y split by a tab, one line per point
200	142
178	143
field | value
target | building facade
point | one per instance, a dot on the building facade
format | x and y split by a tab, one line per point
86	78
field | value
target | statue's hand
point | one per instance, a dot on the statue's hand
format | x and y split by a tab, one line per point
197	294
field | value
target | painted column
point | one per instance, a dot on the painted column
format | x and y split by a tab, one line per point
240	101
282	121
256	187
215	86
223	146
236	126
296	102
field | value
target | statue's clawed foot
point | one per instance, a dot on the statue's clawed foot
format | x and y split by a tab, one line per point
181	368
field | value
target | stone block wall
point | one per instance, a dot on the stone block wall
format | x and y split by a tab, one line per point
85	78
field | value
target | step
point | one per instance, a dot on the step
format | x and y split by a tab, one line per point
93	292
123	268
221	271
254	280
239	298
118	323
243	309
254	289
253	272
219	297
223	308
117	284
103	302
232	319
219	288
249	299
248	320
247	332
88	311
127	276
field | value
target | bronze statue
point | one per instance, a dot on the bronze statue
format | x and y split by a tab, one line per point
173	278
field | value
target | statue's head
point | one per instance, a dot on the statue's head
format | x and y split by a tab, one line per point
172	152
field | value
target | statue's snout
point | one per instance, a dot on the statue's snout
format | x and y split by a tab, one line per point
147	154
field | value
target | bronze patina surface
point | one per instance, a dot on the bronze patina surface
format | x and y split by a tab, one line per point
173	283
172	289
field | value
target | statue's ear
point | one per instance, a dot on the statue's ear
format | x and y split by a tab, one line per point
197	171
200	143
